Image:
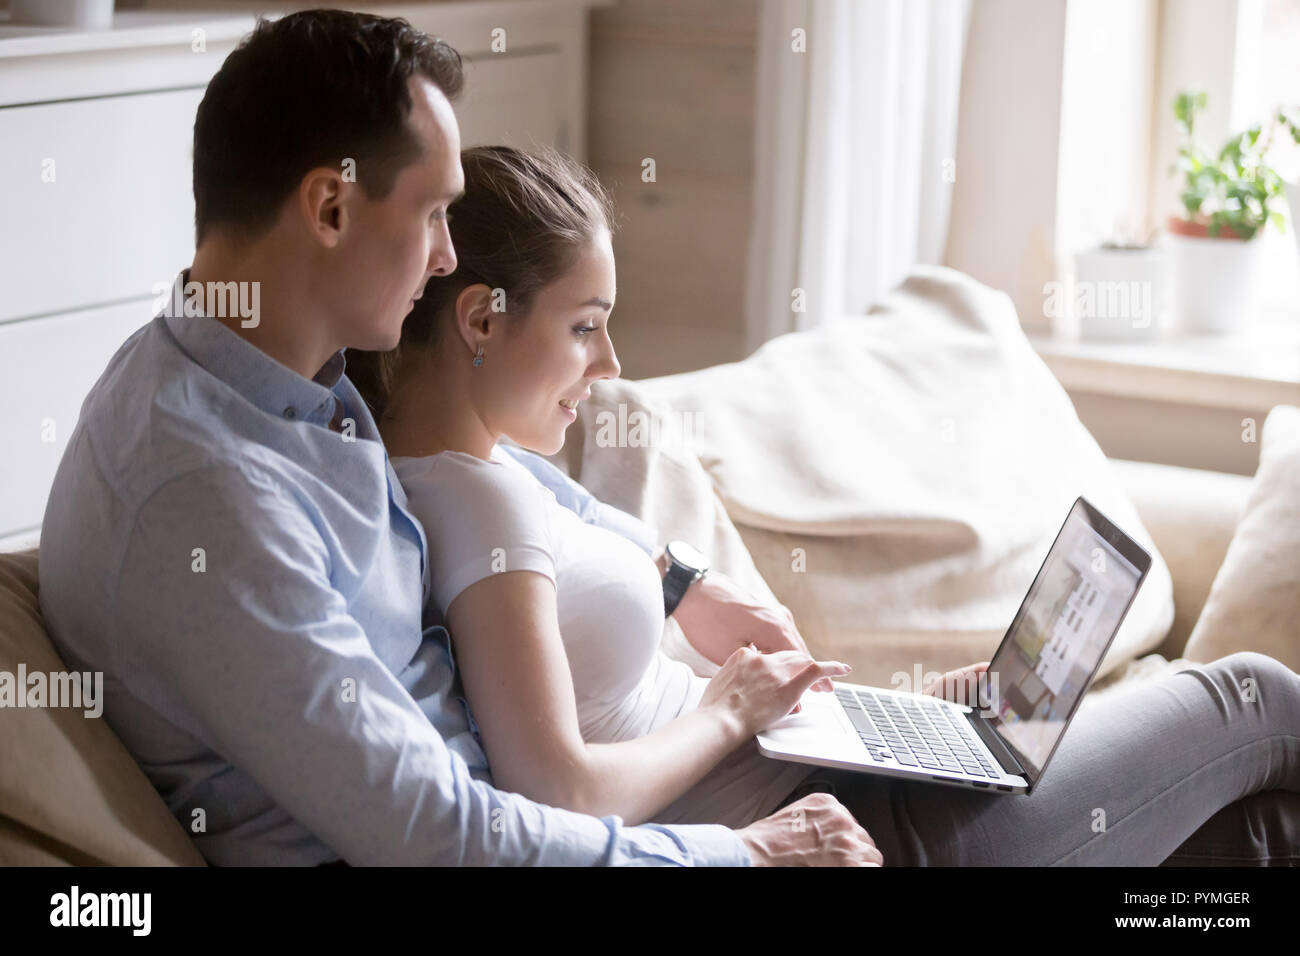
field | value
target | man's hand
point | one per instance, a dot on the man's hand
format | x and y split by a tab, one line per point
960	685
717	616
813	831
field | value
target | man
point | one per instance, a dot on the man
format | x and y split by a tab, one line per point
226	540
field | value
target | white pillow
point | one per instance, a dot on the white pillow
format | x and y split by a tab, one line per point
1254	603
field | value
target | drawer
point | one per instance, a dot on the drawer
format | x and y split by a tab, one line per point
118	217
46	368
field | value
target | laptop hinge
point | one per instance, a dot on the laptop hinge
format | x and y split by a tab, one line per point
999	750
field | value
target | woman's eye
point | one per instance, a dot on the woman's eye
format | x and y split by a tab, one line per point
440	214
584	329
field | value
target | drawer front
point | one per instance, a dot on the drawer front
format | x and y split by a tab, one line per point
46	368
118	216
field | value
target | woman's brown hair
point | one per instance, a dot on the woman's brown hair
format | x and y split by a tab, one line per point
521	224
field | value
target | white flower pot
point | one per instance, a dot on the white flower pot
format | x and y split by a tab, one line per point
1121	293
1216	282
78	14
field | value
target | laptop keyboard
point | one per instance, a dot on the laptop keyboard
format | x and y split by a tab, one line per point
915	733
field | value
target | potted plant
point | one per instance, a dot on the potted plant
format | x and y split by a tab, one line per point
1227	201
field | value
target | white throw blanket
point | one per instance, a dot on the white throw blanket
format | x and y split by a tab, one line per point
897	477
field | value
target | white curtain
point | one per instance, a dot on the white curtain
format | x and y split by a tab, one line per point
856	140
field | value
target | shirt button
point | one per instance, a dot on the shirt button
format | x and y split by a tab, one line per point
290	412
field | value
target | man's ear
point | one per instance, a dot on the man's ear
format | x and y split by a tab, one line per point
324	201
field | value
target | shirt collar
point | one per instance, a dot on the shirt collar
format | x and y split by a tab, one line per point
272	387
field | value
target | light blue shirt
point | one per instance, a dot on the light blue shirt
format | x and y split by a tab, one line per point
252	586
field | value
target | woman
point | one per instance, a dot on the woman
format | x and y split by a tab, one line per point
557	623
575	703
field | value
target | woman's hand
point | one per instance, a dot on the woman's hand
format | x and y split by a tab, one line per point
756	690
717	616
957	685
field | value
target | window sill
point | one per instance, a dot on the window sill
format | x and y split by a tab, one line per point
1244	370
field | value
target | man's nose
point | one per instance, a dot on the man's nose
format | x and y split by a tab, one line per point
442	257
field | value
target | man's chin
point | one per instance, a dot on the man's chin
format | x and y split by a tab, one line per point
378	342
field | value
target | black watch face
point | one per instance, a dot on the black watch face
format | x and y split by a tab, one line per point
683	553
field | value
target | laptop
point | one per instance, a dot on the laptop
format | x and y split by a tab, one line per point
1035	681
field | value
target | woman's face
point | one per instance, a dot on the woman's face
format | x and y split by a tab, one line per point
551	357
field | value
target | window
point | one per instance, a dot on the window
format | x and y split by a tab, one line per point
1266	75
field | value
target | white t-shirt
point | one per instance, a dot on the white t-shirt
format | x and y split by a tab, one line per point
482	517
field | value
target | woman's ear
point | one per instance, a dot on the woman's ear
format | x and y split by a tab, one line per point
476	322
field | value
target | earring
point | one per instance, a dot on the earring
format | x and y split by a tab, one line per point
478	359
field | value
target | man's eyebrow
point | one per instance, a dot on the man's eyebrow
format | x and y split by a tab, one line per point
599	302
451	197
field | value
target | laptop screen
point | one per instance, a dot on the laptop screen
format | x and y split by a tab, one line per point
1059	635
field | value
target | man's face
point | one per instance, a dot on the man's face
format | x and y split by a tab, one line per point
393	245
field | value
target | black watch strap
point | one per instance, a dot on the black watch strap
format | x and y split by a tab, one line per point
676	581
685	565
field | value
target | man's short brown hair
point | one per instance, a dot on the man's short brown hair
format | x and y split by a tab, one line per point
310	89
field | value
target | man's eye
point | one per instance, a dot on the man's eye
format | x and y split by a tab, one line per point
441	214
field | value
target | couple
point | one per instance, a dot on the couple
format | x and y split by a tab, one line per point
266	589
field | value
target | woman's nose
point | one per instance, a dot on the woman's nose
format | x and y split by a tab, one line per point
611	367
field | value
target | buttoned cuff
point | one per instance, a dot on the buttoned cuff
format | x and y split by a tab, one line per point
713	845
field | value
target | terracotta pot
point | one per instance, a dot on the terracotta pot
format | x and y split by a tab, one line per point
1200	230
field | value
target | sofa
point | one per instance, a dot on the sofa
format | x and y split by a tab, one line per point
71	794
1226	545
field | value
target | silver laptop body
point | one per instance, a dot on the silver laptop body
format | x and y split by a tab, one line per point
1035	681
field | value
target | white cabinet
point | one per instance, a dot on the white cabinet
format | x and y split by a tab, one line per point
97	200
46	369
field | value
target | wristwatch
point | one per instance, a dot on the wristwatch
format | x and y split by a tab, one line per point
685	564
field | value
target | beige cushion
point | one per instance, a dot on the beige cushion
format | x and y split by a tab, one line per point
70	793
1254	603
1192	515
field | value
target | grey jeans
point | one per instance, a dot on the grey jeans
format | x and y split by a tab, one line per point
1200	767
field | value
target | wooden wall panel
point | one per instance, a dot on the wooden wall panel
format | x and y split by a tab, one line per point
674	81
